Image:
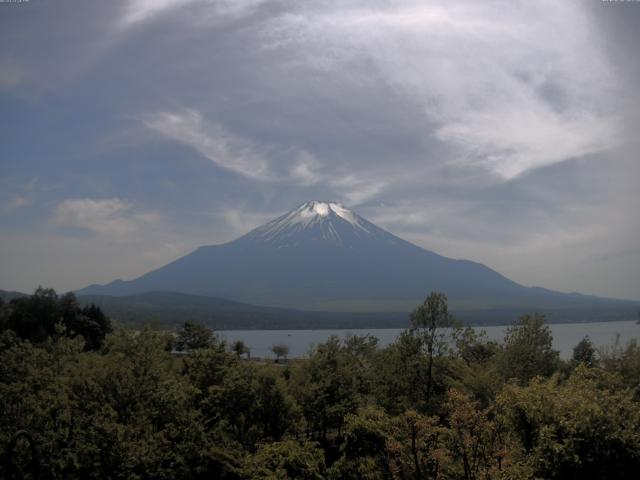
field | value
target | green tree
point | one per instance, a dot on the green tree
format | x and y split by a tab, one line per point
624	361
476	369
88	321
415	447
474	347
376	446
587	427
122	413
584	352
474	439
364	449
35	318
206	367
400	373
330	384
362	346
432	323
240	348
286	460
134	413
280	350
193	336
528	350
251	404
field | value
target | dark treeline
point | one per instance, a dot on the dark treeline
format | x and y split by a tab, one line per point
45	314
79	402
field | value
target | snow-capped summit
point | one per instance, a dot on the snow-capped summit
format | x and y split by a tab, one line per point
330	221
314	209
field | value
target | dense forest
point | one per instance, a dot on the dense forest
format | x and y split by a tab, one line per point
80	399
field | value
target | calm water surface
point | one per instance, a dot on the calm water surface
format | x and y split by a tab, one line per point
565	336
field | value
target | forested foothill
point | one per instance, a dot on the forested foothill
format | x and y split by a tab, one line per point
80	400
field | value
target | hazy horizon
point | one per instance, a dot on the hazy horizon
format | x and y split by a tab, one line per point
136	131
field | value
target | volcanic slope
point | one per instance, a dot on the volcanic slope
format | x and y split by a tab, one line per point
324	256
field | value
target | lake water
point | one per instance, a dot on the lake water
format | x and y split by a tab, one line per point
565	336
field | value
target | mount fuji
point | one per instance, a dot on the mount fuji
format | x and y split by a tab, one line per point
323	256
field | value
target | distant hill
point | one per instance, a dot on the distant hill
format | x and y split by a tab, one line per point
8	295
170	308
323	256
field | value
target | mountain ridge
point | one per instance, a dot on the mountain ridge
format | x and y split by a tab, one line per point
322	254
170	309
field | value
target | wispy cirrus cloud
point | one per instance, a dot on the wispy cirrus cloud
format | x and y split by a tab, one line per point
14	203
137	11
11	74
211	140
251	160
233	152
113	218
241	221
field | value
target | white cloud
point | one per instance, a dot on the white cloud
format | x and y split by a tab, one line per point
510	87
245	158
305	170
211	140
512	142
11	74
505	90
111	218
241	221
137	11
14	203
356	188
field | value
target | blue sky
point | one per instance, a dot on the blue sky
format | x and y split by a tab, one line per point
502	132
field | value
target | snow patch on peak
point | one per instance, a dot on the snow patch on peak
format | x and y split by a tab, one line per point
307	215
311	209
344	213
323	209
